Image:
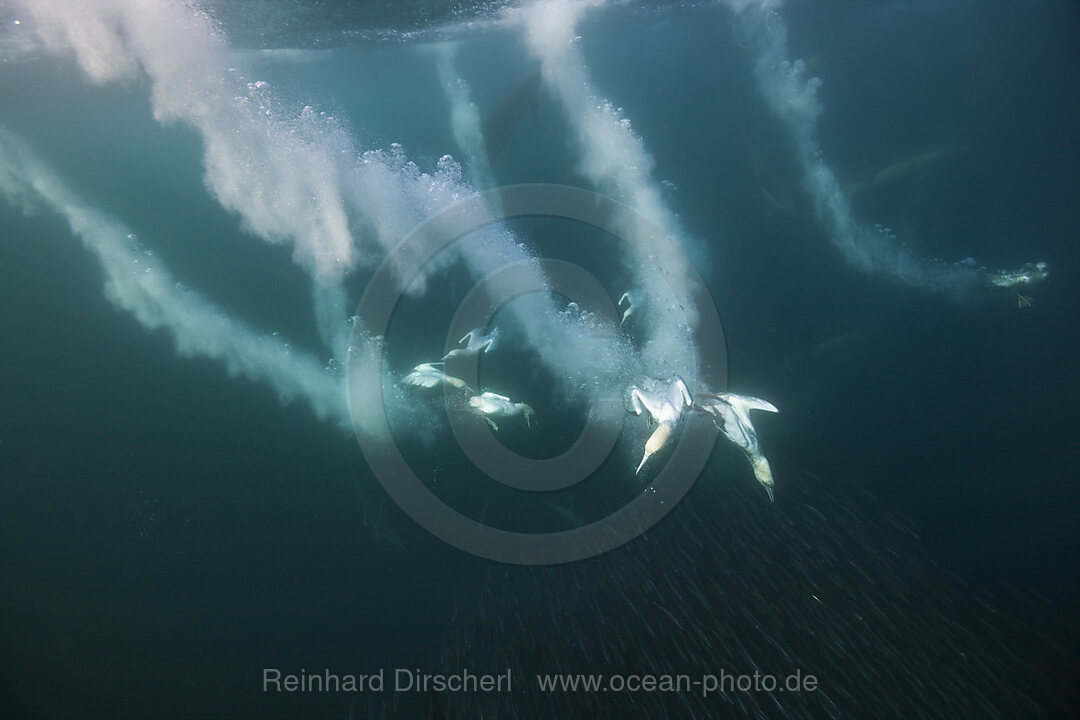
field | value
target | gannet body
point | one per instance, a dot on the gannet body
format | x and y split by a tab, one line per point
475	342
427	375
489	403
731	414
629	307
664	407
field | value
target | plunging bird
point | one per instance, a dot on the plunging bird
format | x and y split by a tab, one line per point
475	342
664	407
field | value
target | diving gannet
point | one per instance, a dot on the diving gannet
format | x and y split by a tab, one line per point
731	414
489	403
629	307
664	407
476	342
427	375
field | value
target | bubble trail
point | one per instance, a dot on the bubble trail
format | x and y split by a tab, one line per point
616	162
137	282
555	334
297	178
793	98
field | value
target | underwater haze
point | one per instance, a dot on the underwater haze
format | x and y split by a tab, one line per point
200	203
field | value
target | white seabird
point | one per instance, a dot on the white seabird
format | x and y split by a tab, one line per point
664	407
731	414
629	307
475	342
488	403
428	375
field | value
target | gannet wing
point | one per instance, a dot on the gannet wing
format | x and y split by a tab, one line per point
457	383
420	379
722	414
490	340
743	433
641	400
1024	301
743	404
679	394
706	401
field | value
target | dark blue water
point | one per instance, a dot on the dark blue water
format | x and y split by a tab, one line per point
167	530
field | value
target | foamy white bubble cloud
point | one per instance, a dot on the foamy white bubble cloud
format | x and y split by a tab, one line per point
291	180
91	30
281	177
615	161
586	361
137	282
297	179
465	120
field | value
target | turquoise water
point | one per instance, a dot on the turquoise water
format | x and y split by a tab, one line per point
196	203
